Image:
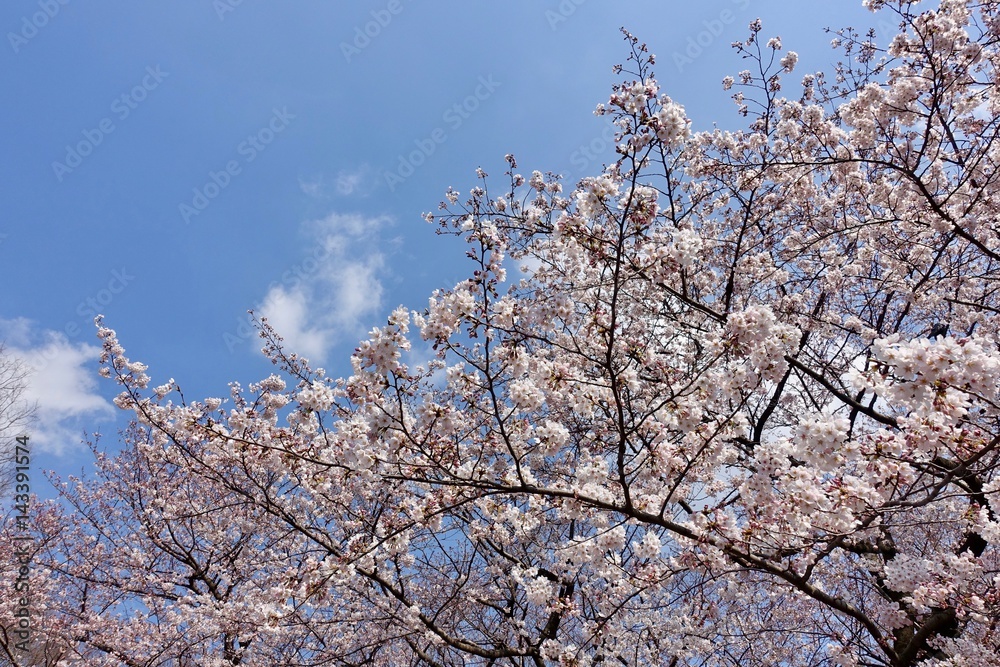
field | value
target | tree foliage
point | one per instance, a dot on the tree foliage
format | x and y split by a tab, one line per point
742	408
16	414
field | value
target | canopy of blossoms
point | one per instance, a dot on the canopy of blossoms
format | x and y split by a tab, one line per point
735	400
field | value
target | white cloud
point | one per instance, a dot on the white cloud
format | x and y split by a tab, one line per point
287	311
62	383
312	187
347	182
336	291
357	290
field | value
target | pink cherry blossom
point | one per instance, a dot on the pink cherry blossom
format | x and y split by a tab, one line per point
743	408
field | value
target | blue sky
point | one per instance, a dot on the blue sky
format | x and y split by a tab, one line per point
172	165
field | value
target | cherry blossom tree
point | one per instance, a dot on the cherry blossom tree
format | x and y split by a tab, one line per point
16	415
735	400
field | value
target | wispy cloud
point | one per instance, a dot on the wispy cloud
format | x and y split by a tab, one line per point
341	295
62	383
349	182
312	187
358	181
